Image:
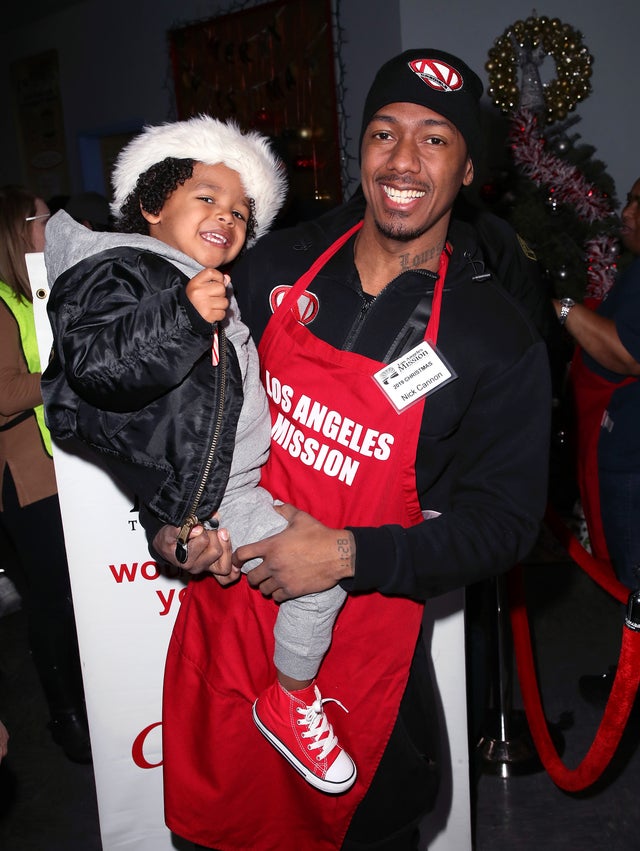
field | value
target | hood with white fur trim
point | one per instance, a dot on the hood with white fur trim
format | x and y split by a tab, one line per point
209	141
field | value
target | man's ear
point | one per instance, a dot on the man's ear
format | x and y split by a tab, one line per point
467	180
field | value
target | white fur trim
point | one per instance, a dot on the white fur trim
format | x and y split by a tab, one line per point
208	141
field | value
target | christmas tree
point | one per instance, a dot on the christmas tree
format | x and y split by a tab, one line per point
554	191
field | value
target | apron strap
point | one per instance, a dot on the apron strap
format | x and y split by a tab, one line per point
303	282
425	314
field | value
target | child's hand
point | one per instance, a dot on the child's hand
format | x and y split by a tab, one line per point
209	551
207	292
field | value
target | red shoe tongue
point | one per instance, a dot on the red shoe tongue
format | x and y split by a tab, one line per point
306	695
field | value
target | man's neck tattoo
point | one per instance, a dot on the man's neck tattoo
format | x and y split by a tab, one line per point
413	262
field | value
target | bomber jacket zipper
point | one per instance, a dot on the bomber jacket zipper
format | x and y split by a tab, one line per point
182	548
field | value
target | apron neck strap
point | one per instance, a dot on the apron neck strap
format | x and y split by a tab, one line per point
434	320
303	282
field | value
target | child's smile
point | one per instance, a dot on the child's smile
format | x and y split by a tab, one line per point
206	217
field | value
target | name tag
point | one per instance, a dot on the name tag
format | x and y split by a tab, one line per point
416	374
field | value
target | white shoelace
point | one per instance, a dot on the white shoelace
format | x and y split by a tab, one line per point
320	730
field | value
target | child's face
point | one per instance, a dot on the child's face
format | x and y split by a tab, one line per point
205	218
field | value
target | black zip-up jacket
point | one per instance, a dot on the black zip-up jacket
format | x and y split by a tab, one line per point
131	373
482	455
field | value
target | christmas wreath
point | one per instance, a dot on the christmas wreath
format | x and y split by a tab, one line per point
522	48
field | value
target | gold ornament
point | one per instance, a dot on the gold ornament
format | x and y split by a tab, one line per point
514	59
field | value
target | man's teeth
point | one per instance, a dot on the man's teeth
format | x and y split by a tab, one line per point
402	196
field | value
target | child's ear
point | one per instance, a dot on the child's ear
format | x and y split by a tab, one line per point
151	218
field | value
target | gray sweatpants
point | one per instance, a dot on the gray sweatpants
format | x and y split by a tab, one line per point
304	625
303	631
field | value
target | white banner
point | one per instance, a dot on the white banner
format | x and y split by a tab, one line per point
125	610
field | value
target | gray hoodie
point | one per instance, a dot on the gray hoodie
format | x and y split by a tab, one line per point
246	509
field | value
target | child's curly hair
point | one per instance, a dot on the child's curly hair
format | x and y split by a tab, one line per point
152	190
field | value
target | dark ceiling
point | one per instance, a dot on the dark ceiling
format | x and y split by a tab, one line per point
20	13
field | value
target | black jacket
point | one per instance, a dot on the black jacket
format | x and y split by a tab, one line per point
131	376
482	456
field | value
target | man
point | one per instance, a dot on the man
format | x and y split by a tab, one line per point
604	380
410	405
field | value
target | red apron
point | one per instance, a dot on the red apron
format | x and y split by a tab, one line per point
592	394
225	786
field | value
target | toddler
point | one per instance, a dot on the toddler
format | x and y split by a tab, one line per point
153	369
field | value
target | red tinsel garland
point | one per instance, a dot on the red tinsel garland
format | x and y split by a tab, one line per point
601	270
564	181
566	185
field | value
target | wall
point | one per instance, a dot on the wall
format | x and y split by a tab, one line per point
609	120
115	71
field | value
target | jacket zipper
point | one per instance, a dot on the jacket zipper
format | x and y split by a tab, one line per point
367	304
182	547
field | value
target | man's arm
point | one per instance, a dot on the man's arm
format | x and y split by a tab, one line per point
598	337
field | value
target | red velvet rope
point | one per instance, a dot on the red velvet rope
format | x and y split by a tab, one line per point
600	571
624	688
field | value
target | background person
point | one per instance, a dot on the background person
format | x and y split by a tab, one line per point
604	381
90	209
606	392
29	510
448	487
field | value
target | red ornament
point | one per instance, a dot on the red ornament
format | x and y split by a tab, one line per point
262	116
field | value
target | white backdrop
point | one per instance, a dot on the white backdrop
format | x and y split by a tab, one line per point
125	611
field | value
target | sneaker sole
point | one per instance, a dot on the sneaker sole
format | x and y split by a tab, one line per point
332	788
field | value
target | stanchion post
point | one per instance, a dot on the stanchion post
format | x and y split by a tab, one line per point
632	618
506	748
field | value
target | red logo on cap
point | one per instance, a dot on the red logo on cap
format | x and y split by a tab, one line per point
437	74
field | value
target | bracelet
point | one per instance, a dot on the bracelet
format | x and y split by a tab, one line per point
567	304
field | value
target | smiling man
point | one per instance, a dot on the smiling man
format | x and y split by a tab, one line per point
388	350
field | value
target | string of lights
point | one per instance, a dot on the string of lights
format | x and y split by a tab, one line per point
339	39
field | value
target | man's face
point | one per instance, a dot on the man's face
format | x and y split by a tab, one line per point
414	162
206	217
630	231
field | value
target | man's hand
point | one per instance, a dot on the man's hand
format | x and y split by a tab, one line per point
209	551
207	292
304	558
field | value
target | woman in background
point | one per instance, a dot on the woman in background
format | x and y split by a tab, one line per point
29	509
